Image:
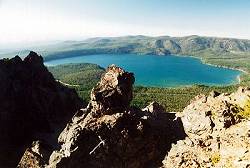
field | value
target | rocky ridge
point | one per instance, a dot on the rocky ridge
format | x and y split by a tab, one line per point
111	133
213	131
115	134
218	129
32	106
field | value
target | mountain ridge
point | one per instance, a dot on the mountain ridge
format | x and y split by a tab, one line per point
66	45
161	45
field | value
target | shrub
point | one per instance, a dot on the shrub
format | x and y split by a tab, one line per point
245	111
215	158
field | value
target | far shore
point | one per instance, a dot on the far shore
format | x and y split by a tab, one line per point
238	78
219	66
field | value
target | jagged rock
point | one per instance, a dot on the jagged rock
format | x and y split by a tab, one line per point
154	108
35	156
214	94
31	159
32	104
114	91
110	133
218	136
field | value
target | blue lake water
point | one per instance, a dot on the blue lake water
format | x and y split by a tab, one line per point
160	71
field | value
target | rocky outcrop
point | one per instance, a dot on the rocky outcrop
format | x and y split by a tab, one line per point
113	93
213	131
110	133
32	106
218	130
35	155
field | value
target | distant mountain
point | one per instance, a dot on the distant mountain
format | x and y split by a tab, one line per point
163	45
226	52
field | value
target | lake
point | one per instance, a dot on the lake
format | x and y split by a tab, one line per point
161	71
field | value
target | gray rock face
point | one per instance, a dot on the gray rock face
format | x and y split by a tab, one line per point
109	133
31	103
218	133
35	156
154	108
114	91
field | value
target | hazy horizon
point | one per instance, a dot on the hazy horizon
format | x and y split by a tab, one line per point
26	45
37	22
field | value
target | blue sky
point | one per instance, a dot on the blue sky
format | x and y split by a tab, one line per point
46	20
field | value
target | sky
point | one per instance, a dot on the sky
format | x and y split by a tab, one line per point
38	21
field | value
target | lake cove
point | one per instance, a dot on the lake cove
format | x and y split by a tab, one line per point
161	71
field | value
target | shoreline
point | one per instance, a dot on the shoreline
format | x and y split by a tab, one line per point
237	69
219	66
238	78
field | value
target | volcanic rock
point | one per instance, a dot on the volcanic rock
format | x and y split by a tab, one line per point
32	105
213	131
113	93
110	133
35	156
218	130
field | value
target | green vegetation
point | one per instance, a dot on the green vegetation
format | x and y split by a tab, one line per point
235	60
215	158
174	99
232	53
245	111
82	77
241	112
227	52
85	76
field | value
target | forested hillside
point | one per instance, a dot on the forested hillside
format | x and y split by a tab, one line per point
84	76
